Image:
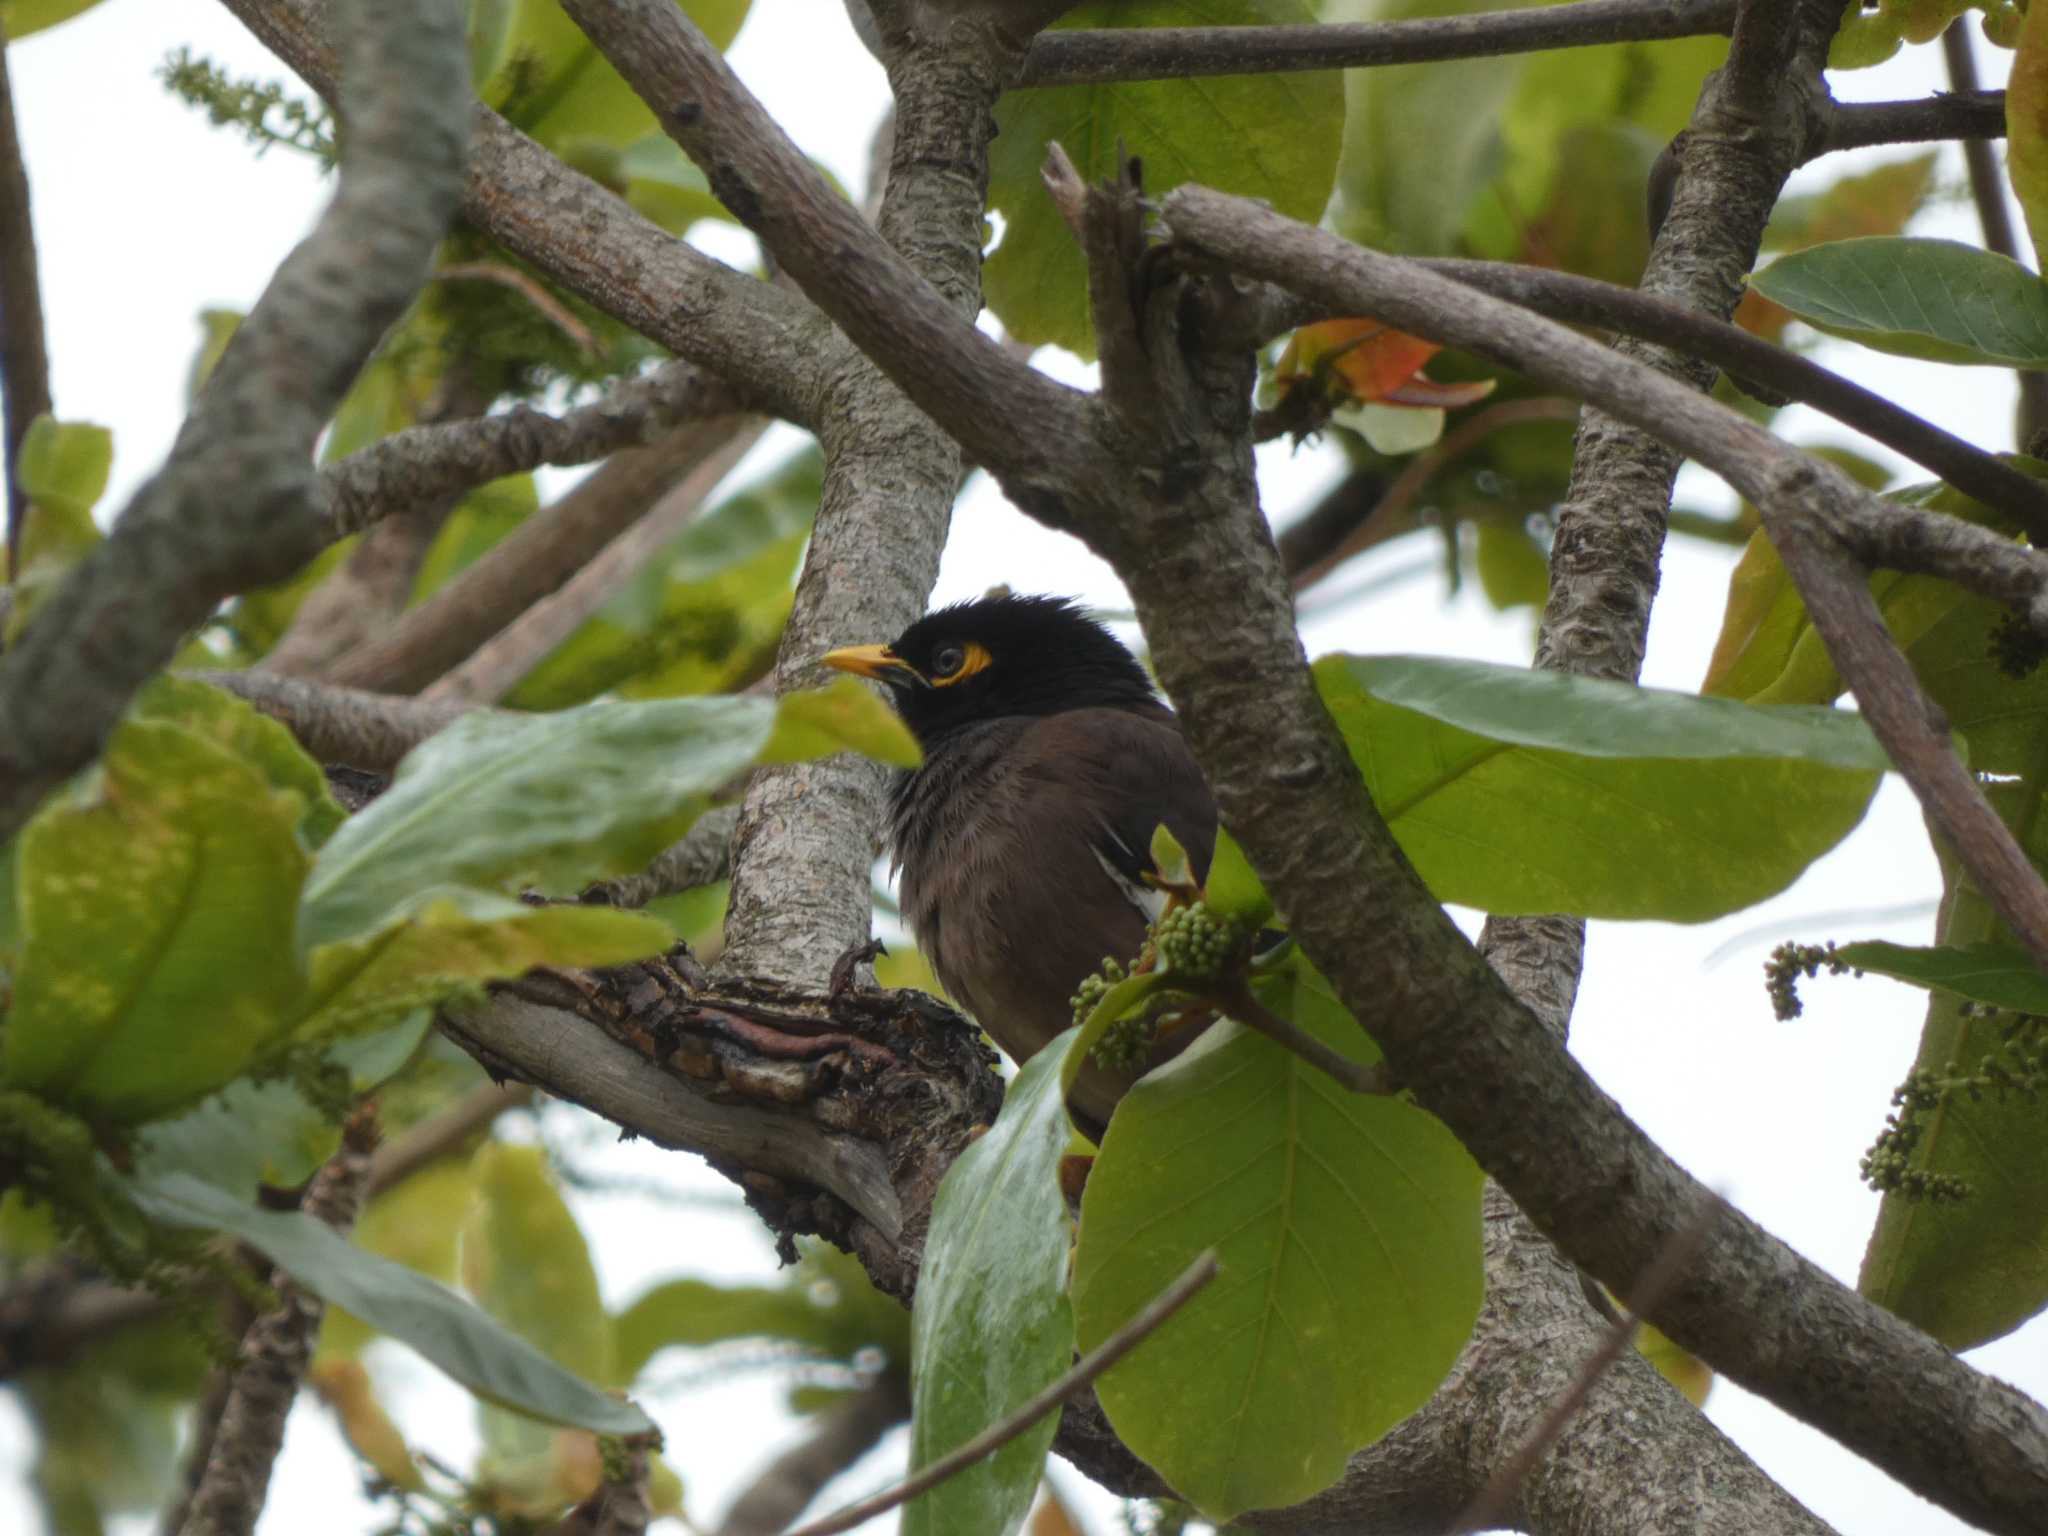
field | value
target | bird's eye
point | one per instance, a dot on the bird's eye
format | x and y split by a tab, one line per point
947	660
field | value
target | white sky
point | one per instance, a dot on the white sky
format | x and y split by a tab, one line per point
146	215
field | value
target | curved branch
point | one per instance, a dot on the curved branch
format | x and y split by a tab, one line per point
231	509
1092	57
423	464
342	725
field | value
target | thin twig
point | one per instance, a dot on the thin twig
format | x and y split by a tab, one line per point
838	1437
1001	1433
1242	1006
422	463
24	354
516	650
699	857
1089	57
1492	1502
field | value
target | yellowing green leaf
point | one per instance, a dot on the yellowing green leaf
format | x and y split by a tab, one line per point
447	940
157	900
844	716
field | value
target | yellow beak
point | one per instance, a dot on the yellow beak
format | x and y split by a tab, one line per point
876	661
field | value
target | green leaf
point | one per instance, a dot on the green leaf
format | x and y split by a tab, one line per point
1233	889
1969	1272
260	742
1934	299
64	465
990	1326
217	328
253	1133
663	184
1768	651
1519	791
1986	972
1274	137
447	940
1169	859
1348	1229
417	1223
525	1260
463	1341
557	799
825	1304
569	92
1421	141
844	716
21	17
1514	572
157	901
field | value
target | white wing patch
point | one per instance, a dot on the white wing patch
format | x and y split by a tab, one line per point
1148	899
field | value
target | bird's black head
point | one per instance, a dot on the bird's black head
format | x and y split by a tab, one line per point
999	656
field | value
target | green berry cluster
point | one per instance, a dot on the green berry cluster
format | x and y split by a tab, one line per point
1196	943
2018	1066
1788	963
1094	988
1127	1044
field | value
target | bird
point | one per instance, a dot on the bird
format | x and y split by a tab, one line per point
1023	841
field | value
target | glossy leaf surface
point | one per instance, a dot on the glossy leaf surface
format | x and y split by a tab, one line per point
456	1336
991	1325
1348	1229
1521	791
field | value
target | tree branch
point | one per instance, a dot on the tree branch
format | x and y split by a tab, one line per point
231	509
1450	1031
1947	115
24	353
342	725
532	561
275	1353
1093	57
420	464
1668	323
498	665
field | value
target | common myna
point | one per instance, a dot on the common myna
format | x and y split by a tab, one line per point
1024	840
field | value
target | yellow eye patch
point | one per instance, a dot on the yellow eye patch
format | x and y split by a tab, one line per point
972	658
